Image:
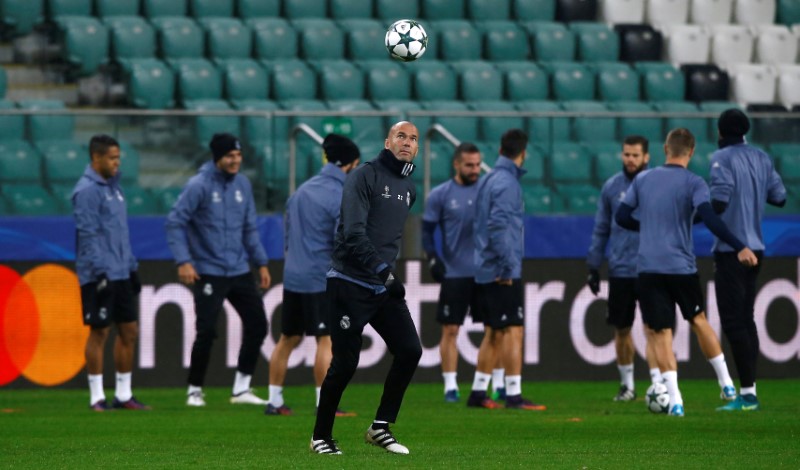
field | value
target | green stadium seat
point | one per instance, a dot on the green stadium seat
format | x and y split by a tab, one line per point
493	127
544	131
315	122
364	39
661	81
179	38
487	10
392	10
158	8
591	128
788	12
504	40
208	124
140	201
340	80
19	162
292	80
363	128
18	17
150	84
700	163
433	80
132	37
12	126
294	9
62	193
616	81
107	8
524	81
46	127
227	38
244	79
273	39
344	9
258	130
197	79
443	9
441	158
320	39
596	42
550	41
569	162
85	44
479	81
698	126
210	8
29	200
128	163
535	163
571	81
248	9
401	108
3	82
607	160
386	80
538	199
579	198
647	127
60	8
462	127
166	197
533	10
787	157
63	161
456	39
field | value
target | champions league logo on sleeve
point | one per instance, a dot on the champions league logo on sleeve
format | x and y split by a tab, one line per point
386	194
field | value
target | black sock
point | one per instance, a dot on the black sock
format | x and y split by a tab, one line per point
376	426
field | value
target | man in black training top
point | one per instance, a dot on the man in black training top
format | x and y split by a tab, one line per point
363	289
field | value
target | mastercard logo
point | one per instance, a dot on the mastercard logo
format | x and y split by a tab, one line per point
42	336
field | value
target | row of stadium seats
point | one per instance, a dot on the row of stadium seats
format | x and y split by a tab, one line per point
730	44
657	12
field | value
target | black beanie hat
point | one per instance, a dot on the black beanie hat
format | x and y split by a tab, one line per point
733	123
340	150
223	143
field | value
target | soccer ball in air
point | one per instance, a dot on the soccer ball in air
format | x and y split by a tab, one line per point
406	40
657	398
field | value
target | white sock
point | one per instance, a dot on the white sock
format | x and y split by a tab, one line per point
96	388
242	383
626	375
481	382
318	390
194	389
748	390
671	381
276	396
721	368
655	376
513	385
450	382
497	378
123	392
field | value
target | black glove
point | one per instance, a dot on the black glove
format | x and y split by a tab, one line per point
394	287
437	268
136	283
593	281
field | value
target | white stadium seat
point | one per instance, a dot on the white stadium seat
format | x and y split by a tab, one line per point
789	85
775	44
753	83
623	11
750	12
662	12
687	44
711	11
731	44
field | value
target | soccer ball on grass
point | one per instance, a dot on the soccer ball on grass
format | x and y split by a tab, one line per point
406	40
657	398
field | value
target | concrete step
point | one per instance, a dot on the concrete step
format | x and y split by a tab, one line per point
66	93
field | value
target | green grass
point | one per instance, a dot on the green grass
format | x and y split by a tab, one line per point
582	428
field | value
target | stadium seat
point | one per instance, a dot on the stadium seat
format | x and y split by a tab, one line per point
3	82
293	80
433	80
698	126
320	39
179	38
392	10
543	131
31	200
537	199
364	39
106	8
150	84
576	10
63	161
139	201
596	42
551	41
731	44
227	38
12	126
132	37
47	127
386	80
623	11
616	81
443	9
700	163
579	198
752	12
607	158
504	40
687	44
638	125
158	8
663	12
705	82
772	129
639	42
524	81
340	80
487	10
197	79
244	79
479	81
789	85
211	8
315	122
166	197
705	12
363	128
457	40
591	128
19	162
400	110
257	130
207	124
60	8
346	9
788	160
492	127
788	12
776	44
571	81
569	162
85	44
18	17
661	81
464	128
273	39
441	158
753	83
295	9
128	163
533	10
716	108
250	9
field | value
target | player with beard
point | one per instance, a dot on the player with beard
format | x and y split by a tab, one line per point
623	246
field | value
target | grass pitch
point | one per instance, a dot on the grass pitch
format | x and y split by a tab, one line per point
582	428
